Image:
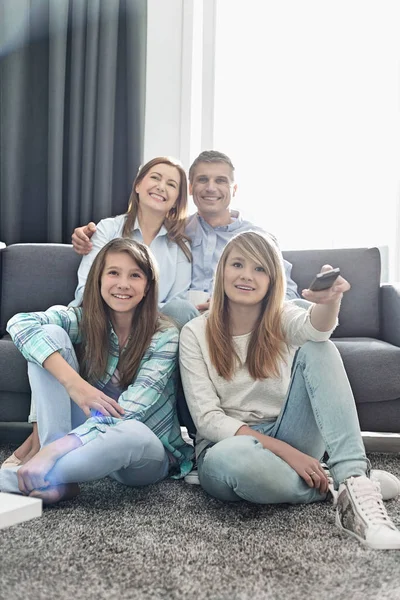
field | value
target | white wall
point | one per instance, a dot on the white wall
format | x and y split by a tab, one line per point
163	78
180	78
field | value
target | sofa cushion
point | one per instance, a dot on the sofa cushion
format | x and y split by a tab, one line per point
373	368
359	312
25	268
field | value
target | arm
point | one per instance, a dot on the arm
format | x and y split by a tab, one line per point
326	307
86	396
32	475
81	238
37	346
182	279
151	396
31	339
302	463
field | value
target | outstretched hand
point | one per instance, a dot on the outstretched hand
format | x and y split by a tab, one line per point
332	294
81	238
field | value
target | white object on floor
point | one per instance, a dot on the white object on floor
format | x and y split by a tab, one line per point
192	477
17	509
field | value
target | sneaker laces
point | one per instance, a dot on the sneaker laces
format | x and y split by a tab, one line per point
369	498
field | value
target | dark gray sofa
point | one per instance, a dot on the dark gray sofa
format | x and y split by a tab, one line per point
36	276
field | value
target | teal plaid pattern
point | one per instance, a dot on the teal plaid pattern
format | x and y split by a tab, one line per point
150	398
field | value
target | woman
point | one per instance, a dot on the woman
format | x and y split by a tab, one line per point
265	415
115	409
156	216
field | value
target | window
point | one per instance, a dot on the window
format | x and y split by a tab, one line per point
307	106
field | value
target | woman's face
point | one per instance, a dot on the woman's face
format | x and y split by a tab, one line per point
245	281
159	189
123	284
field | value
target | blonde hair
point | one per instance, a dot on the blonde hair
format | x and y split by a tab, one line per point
95	324
175	220
266	345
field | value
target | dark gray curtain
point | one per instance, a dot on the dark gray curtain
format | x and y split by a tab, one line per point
72	99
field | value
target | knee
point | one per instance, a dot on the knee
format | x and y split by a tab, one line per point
233	457
318	351
180	310
139	438
57	333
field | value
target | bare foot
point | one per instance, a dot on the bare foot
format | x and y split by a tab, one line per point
56	493
34	450
25	448
34	446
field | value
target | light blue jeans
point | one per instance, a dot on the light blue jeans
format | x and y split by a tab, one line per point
128	452
319	415
180	310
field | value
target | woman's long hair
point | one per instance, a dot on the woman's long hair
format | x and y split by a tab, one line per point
95	324
175	220
266	345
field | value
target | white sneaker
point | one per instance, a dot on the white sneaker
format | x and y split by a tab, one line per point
361	513
389	484
192	477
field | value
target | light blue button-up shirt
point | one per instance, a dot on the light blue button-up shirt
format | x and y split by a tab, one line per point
175	269
207	246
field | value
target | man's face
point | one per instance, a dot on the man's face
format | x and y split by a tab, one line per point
212	189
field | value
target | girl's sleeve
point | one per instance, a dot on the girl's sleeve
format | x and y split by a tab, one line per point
151	397
27	333
182	278
297	327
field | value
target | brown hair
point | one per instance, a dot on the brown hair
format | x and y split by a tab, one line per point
210	156
265	350
95	324
175	220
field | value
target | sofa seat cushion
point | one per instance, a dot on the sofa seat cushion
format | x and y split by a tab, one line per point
373	368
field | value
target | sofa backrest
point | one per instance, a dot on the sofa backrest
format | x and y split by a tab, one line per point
359	312
35	277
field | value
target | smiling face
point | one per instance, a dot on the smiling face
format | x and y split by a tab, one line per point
213	188
159	189
245	281
123	284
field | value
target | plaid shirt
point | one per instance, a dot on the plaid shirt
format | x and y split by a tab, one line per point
150	398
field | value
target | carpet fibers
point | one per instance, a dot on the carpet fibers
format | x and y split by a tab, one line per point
172	541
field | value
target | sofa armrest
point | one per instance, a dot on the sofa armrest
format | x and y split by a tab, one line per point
390	313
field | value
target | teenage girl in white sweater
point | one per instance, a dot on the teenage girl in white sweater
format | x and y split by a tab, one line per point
265	415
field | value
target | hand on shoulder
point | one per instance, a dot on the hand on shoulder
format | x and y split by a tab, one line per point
81	238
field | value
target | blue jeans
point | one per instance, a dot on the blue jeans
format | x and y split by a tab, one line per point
128	452
318	415
180	310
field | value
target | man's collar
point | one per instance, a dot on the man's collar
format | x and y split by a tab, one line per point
234	214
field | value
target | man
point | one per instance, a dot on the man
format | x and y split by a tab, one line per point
212	185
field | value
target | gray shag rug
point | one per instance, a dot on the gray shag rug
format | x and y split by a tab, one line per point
173	541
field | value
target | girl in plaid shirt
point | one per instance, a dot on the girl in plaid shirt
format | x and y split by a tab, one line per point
107	408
